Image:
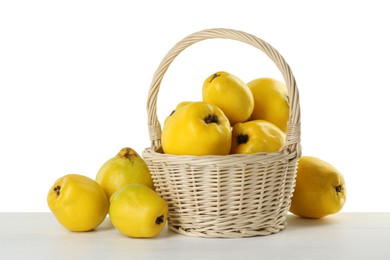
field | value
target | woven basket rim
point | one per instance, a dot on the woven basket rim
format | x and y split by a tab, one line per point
229	159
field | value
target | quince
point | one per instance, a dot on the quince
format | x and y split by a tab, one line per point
230	94
256	136
319	190
196	128
124	168
271	101
78	202
138	211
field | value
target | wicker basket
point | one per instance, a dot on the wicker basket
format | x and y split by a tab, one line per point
232	195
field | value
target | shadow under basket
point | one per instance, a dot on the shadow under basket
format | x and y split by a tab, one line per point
237	195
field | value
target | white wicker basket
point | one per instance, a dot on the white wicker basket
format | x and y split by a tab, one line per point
233	195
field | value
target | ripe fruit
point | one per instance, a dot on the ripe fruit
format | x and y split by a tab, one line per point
125	168
256	136
320	189
78	202
271	101
230	94
197	128
138	211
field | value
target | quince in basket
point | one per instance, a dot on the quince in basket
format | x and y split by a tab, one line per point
196	128
256	136
230	94
271	101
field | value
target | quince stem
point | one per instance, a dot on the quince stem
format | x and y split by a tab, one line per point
216	75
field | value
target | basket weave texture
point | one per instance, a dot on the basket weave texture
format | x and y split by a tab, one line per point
229	196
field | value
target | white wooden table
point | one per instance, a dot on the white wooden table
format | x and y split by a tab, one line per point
341	236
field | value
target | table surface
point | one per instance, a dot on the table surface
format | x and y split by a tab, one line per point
340	236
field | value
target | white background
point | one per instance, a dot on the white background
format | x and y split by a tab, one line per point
74	78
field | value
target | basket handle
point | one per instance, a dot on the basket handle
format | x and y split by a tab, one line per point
293	126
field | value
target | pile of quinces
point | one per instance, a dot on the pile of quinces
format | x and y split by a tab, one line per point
233	117
123	189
